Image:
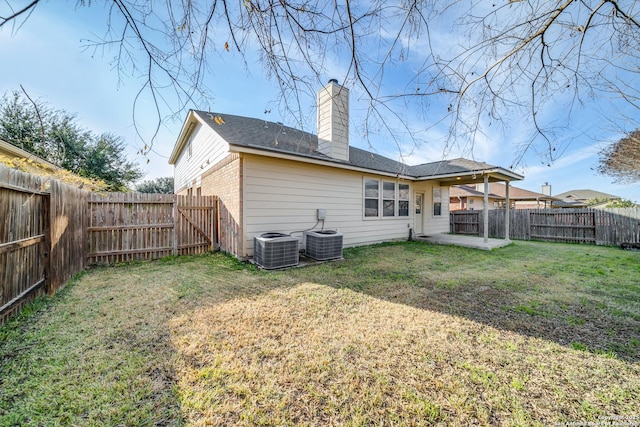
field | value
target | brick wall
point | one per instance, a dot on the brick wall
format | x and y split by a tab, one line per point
224	180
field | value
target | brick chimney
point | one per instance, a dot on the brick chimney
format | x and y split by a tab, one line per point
333	121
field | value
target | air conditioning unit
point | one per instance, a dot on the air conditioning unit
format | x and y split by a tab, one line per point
323	245
275	250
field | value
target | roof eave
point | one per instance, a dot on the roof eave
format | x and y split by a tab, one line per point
313	160
495	174
181	141
474	176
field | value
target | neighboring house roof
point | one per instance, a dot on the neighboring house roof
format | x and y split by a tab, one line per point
568	203
584	195
469	191
498	190
11	151
516	193
32	164
251	133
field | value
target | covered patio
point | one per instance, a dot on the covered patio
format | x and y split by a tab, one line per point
481	174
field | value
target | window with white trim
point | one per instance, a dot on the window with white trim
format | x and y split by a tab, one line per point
386	199
403	199
371	197
437	201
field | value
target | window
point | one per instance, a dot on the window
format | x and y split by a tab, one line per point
385	199
191	131
388	198
403	199
437	201
371	195
437	208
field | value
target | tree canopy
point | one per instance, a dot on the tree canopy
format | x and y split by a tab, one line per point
158	185
56	136
529	68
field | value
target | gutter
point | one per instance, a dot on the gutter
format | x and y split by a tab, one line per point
496	171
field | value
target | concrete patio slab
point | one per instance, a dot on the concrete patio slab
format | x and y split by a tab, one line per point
466	241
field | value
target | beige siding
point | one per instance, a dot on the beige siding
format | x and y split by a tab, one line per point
207	149
434	224
283	196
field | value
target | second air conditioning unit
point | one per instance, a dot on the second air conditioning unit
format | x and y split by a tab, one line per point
323	245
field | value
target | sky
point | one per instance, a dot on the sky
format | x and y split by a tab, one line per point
46	55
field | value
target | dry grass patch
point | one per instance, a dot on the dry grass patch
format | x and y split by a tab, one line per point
316	355
407	334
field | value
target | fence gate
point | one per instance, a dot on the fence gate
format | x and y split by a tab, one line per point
195	224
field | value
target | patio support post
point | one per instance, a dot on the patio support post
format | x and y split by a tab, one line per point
506	212
486	208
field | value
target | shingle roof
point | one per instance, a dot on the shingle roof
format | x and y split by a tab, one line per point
568	203
265	135
468	190
498	190
257	133
447	167
585	195
518	193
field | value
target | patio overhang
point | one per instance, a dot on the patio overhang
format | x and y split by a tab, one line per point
475	177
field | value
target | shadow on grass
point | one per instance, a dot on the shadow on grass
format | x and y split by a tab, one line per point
583	297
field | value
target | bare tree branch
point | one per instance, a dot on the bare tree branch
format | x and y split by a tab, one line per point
501	64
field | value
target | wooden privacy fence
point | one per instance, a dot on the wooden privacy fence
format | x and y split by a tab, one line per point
134	227
607	227
41	237
465	222
50	231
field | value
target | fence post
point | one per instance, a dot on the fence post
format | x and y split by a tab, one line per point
214	223
176	221
46	230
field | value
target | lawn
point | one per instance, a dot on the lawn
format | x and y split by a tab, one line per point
397	334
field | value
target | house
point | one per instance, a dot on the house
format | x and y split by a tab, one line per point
25	160
17	158
583	199
470	197
273	178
